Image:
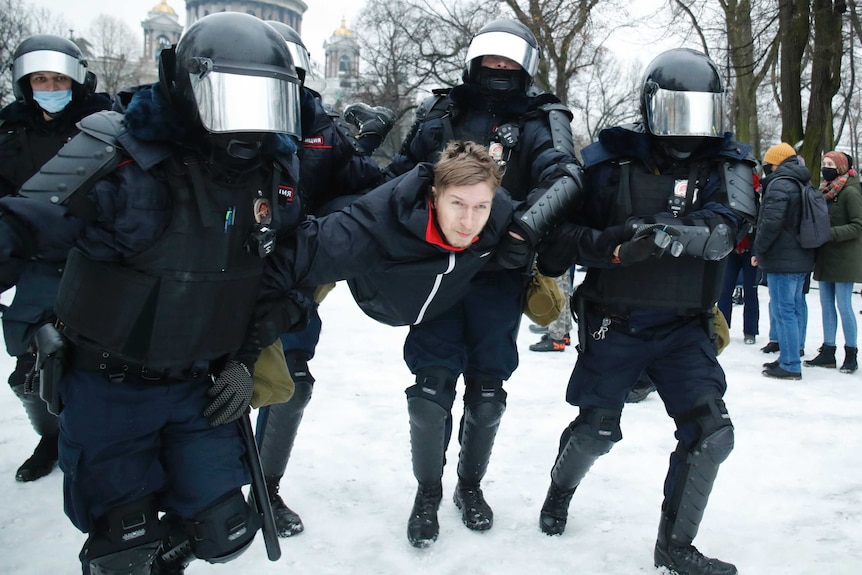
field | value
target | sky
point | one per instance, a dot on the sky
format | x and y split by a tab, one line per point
788	500
318	23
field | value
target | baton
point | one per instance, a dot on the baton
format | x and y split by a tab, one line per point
258	489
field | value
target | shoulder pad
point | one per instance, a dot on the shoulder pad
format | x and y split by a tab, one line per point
104	126
431	103
738	177
76	166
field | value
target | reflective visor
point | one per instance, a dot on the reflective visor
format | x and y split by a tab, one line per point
672	113
299	56
506	45
234	102
48	61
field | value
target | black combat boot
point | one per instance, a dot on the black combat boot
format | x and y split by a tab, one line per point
826	357
686	559
555	510
478	429
287	522
41	463
423	527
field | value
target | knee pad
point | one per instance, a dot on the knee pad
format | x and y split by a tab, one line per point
125	540
302	390
224	531
715	435
435	384
484	414
591	435
479	391
599	424
297	365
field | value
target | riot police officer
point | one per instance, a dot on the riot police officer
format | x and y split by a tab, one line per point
664	202
173	208
334	164
53	90
528	132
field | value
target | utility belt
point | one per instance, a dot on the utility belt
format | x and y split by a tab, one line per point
115	368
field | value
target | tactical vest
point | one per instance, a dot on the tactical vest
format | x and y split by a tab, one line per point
685	284
487	130
189	296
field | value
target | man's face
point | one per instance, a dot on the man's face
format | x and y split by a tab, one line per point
499	63
462	212
50	81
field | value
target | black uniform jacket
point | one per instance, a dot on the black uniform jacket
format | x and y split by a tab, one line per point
388	247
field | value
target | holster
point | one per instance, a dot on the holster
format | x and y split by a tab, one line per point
51	363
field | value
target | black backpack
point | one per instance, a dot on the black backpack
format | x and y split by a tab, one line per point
814	228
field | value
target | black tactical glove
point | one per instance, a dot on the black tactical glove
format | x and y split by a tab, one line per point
231	392
612	237
370	120
648	241
513	253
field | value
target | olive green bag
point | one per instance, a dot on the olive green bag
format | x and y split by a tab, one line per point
272	381
544	300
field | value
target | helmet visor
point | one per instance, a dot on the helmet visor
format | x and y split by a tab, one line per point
300	56
507	45
48	61
236	102
673	113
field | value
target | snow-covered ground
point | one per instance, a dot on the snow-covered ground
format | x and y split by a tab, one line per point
788	501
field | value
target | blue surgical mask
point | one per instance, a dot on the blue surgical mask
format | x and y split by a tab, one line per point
52	101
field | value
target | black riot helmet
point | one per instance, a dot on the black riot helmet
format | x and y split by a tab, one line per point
682	99
232	74
510	39
49	53
298	51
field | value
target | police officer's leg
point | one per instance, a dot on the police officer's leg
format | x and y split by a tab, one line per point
278	424
588	437
484	405
705	436
42	461
429	405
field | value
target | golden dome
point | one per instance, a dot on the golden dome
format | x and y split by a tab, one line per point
163	7
343	30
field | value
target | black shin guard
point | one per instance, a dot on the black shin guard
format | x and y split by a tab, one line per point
591	435
429	404
280	429
478	430
693	472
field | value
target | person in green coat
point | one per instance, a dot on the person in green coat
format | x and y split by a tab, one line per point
839	261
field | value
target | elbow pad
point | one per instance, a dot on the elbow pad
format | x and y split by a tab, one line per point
693	240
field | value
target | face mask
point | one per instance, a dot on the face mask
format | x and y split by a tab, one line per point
52	102
500	81
829	174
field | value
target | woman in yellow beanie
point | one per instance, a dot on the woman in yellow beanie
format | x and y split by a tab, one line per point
839	261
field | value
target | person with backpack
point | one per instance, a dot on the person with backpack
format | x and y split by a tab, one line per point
778	252
839	261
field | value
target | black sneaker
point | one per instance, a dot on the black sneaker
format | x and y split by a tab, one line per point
287	522
41	463
770	347
771	364
687	560
780	373
549	344
749	339
475	511
555	510
423	527
535	328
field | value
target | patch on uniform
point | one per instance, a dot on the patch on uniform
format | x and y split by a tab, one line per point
680	187
285	195
262	211
496	151
315	142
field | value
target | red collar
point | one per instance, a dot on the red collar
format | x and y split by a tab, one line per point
433	235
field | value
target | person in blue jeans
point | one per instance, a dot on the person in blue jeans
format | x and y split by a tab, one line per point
839	261
739	265
778	253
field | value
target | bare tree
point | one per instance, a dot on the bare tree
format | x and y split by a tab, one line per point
14	27
115	53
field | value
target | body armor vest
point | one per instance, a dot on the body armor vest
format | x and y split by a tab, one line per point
685	284
189	296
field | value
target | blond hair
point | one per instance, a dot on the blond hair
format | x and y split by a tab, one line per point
464	164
